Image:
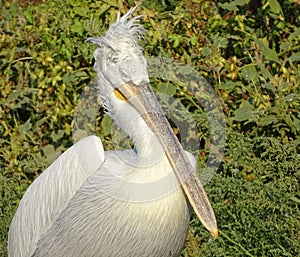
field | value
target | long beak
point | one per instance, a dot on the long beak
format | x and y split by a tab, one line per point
142	98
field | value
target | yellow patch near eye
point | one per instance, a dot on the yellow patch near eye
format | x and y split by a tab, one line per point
119	95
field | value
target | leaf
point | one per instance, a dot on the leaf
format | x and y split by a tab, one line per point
16	143
294	58
14	9
228	85
176	39
275	6
77	27
265	121
296	123
56	136
206	51
82	11
249	73
194	40
156	36
106	125
290	97
285	46
50	153
81	74
244	112
268	53
167	89
269	86
25	127
233	5
295	199
219	41
13	96
265	72
48	149
28	15
295	35
41	121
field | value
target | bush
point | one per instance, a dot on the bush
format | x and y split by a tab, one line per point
249	52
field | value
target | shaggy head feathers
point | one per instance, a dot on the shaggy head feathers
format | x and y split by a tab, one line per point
119	58
121	32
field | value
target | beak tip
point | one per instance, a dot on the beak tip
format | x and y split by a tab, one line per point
215	234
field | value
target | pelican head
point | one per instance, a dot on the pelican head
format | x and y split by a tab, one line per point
119	59
123	83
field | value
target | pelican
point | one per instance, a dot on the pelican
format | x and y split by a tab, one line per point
90	202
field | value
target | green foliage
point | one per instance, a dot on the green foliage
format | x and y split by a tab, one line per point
248	50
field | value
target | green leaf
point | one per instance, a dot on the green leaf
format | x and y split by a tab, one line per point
228	85
25	127
269	86
28	15
233	5
275	6
41	121
296	123
265	121
56	136
244	112
77	27
285	46
156	36
14	9
268	53
206	51
176	39
167	89
294	58
295	199
265	72
13	96
81	74
249	73
194	40
50	153
290	97
295	35
219	41
106	125
82	11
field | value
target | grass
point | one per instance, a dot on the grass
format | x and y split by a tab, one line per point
247	50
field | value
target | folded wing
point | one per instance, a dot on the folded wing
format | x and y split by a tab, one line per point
50	193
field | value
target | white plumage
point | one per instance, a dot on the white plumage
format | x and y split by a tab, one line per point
116	203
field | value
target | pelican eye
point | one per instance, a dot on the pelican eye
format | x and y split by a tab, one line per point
119	95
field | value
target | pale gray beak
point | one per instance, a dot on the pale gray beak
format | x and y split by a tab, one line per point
142	98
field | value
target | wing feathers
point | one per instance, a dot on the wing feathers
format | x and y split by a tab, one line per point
48	195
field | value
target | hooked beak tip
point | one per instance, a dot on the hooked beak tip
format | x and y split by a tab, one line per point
215	234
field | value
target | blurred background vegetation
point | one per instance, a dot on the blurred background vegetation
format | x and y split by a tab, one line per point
247	50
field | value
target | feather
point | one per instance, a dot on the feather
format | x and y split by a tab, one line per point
50	193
